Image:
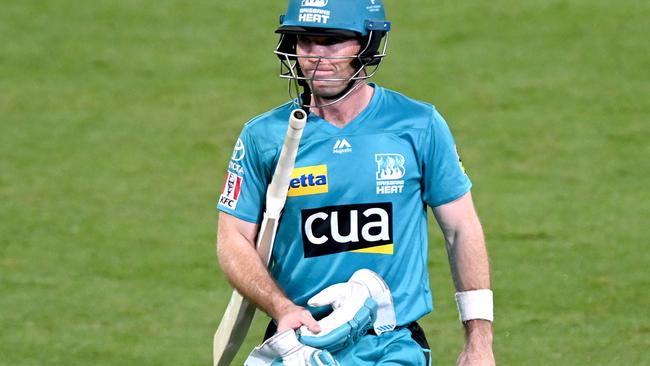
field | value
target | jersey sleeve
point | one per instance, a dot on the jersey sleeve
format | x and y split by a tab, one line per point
444	178
245	183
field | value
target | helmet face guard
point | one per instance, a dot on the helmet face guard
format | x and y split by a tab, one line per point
331	18
366	64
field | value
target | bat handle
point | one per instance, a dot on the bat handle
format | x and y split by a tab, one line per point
297	121
276	194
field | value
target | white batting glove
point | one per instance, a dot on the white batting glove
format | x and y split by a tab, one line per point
285	349
362	303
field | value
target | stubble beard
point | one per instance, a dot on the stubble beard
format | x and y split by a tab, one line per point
327	89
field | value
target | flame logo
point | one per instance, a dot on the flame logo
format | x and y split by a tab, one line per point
390	166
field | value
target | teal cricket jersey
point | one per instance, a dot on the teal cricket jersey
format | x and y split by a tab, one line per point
357	198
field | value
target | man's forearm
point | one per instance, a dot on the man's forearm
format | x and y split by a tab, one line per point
470	270
245	271
468	257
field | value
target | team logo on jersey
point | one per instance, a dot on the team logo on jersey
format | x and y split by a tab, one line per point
308	180
315	3
312	11
342	147
361	228
390	171
231	190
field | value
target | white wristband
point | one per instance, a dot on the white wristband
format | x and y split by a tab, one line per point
475	304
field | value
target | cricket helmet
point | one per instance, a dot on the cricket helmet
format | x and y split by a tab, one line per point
345	17
361	19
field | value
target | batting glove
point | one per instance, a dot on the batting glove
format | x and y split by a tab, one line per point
285	349
362	303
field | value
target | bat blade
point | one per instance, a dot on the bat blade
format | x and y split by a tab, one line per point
229	337
236	321
239	314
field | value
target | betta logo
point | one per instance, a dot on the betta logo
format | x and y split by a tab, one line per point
315	3
308	180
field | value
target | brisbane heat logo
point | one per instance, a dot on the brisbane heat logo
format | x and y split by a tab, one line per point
362	228
312	12
390	166
315	3
390	171
308	180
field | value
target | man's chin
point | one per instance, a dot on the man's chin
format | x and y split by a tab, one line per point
327	91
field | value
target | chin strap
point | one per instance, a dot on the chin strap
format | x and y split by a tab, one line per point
305	97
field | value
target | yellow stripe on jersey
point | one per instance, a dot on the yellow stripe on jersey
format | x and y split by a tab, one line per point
382	249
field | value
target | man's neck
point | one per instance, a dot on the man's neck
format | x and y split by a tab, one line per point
344	111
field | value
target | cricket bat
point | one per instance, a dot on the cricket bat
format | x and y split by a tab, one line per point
239	314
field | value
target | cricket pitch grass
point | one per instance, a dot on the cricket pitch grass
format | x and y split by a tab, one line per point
117	120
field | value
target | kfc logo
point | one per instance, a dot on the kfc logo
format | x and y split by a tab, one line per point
231	190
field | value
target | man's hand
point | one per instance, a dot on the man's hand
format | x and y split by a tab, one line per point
285	349
361	303
291	316
478	346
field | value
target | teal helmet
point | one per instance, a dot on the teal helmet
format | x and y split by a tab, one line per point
334	17
361	19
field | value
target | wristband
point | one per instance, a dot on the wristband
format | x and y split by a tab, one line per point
475	304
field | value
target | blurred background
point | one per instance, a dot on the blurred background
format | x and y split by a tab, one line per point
118	118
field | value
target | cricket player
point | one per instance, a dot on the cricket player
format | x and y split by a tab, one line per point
348	280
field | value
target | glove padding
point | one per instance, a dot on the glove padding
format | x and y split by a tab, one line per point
362	303
285	349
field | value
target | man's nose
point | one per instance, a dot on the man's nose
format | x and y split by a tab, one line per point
314	59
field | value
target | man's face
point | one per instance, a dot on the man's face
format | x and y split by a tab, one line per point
327	68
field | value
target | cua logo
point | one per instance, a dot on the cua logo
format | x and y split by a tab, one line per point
308	180
364	228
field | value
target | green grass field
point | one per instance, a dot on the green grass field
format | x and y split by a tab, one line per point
117	119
